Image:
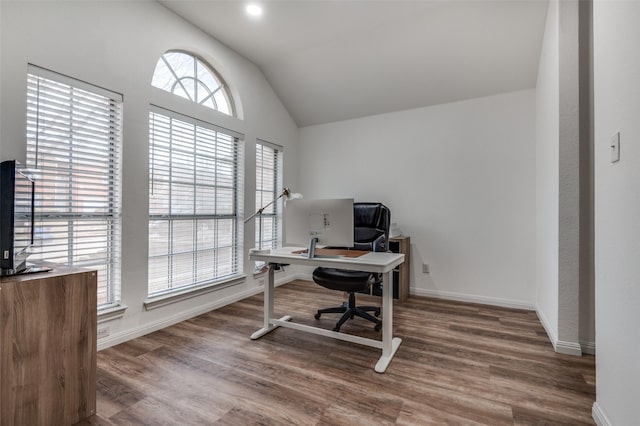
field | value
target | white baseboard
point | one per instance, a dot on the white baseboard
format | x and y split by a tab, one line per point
598	415
495	301
132	333
560	346
568	348
304	276
551	332
588	347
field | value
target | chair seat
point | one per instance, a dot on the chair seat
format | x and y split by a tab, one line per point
342	280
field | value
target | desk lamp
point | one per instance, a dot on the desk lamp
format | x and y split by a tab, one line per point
286	192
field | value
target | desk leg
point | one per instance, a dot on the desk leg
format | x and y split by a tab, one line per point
268	306
390	344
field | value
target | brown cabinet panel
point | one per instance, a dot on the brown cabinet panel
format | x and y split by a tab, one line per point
48	341
401	275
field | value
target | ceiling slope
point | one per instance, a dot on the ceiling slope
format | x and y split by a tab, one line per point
336	60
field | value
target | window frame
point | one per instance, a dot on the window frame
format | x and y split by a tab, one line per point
171	292
222	87
274	213
45	141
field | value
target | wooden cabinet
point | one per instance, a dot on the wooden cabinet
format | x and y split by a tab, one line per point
400	275
48	347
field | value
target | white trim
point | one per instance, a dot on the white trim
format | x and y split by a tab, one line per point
598	415
132	333
560	346
73	82
269	144
306	276
446	295
495	301
111	313
194	120
588	347
551	333
568	348
178	296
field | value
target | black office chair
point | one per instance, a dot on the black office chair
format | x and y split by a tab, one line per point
371	232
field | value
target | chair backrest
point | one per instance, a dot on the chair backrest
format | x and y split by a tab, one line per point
371	223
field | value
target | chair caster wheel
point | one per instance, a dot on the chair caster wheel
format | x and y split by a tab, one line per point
378	327
317	316
336	328
376	313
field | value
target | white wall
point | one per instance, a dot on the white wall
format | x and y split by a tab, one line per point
587	241
617	211
564	240
459	179
569	181
547	175
116	45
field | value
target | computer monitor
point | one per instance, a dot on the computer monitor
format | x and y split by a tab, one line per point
16	217
329	222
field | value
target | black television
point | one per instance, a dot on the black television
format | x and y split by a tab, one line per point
16	218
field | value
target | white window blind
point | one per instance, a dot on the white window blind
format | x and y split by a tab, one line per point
73	148
268	188
195	202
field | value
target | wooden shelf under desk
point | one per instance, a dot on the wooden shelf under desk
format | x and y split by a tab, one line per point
48	325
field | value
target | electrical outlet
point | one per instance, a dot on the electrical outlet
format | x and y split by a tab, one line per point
103	332
425	268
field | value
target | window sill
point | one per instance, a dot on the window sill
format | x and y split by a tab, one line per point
111	313
178	296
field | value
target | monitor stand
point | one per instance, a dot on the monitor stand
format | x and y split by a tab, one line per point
311	250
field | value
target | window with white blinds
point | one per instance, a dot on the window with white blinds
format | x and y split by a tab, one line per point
73	149
268	188
195	203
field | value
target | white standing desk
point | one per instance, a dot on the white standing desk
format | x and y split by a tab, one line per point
377	262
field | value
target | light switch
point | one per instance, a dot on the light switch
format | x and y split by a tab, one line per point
615	148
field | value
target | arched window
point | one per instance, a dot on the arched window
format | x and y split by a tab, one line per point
190	77
196	188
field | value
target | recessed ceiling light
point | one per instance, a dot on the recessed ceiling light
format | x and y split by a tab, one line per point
254	9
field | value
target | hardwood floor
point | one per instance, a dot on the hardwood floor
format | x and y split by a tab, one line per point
459	363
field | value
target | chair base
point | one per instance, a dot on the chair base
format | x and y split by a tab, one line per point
349	310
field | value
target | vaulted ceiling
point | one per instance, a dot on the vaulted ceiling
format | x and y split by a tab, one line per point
335	60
